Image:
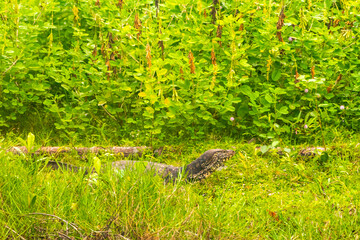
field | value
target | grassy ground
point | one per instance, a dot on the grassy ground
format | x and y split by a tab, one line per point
258	196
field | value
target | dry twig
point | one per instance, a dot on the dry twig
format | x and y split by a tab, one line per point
59	218
12	230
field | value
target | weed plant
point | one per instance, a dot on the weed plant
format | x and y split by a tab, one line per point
178	68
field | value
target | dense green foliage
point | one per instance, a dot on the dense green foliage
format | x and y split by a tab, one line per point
129	72
255	197
187	66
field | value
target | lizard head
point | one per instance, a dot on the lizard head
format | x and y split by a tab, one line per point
207	163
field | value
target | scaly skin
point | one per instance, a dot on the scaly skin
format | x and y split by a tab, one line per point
207	163
199	169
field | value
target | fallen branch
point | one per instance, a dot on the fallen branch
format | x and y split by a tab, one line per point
139	151
123	151
307	151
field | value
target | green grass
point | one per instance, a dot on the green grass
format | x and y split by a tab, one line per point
255	197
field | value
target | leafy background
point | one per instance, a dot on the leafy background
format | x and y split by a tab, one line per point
184	68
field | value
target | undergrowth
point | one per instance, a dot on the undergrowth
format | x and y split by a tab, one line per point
255	196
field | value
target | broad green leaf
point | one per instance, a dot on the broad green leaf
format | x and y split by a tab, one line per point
101	103
30	141
150	110
276	74
283	110
142	94
161	72
269	98
97	164
264	149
